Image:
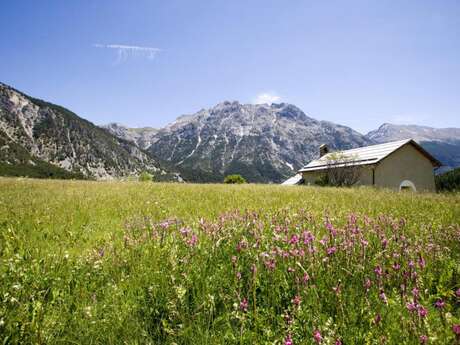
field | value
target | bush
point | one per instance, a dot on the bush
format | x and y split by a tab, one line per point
234	179
145	177
449	181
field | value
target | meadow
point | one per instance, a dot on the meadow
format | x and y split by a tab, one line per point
84	262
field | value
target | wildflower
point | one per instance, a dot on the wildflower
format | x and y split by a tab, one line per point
383	297
415	292
270	264
378	271
439	304
367	284
364	242
338	342
331	250
422	311
421	262
244	305
411	306
377	319
305	278
456	330
294	239
193	241
288	340
317	336
296	300
234	260
185	231
384	243
238	275
396	266
458	292
307	237
423	339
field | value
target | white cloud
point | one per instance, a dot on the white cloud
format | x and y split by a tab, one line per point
124	51
267	97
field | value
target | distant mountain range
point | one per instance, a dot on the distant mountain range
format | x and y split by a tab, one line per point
40	139
443	143
264	143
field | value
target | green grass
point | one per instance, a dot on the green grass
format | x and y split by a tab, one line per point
84	262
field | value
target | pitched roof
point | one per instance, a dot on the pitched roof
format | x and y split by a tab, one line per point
365	156
296	179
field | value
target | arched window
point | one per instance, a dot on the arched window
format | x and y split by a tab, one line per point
407	185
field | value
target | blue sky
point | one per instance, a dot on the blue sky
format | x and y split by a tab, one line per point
358	63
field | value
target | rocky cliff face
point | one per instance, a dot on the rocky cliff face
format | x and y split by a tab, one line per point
143	137
264	143
34	131
443	143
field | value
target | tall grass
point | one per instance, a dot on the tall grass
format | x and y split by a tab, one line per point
130	263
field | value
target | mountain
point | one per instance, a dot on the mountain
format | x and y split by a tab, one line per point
443	143
41	139
143	136
264	143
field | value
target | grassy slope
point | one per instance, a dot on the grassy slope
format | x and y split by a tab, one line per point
56	288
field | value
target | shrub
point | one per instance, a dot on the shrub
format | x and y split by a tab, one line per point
449	181
145	177
234	179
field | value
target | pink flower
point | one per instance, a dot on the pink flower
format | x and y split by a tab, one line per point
378	271
458	292
411	306
305	278
439	304
296	300
192	241
396	266
423	339
288	340
331	250
307	237
244	305
421	262
422	311
317	336
367	284
338	342
294	239
383	297
415	292
456	329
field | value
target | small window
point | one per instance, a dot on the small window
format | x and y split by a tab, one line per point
407	186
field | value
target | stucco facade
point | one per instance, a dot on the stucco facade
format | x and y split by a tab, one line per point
408	166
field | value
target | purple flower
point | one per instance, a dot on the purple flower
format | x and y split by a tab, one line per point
422	311
294	239
244	305
423	339
421	262
367	284
307	237
415	292
396	266
288	340
456	329
377	319
383	297
317	336
305	278
193	241
378	271
338	342
296	300
439	304
331	250
411	306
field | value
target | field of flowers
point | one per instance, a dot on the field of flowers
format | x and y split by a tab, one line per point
146	263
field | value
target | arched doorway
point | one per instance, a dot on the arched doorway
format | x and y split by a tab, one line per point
407	185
